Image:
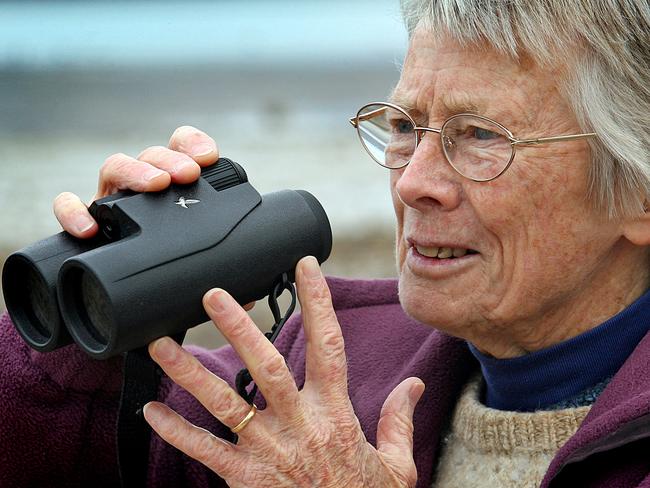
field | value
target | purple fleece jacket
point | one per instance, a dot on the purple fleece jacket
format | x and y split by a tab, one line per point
59	409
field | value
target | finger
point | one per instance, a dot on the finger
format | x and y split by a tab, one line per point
210	390
395	429
195	143
326	365
215	453
73	215
264	362
182	168
122	172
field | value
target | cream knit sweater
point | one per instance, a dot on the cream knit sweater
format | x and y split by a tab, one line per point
493	448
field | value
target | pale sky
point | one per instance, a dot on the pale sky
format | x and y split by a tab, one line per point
54	33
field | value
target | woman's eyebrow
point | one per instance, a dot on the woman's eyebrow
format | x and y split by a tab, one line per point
457	103
396	98
451	103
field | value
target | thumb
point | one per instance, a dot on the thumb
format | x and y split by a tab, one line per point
395	429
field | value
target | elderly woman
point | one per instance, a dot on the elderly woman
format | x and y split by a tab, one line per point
517	140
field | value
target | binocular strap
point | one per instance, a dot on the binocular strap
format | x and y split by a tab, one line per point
244	379
141	379
140	384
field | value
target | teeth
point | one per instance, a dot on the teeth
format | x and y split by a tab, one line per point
430	252
441	252
445	252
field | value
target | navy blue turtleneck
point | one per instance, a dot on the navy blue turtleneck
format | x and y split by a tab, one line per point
567	374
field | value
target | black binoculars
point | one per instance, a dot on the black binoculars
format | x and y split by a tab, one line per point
156	254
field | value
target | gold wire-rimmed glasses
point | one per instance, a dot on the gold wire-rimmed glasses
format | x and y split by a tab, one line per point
477	147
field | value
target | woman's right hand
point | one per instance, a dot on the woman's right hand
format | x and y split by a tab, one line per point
154	169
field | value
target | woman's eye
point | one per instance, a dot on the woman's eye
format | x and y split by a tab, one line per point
484	134
403	126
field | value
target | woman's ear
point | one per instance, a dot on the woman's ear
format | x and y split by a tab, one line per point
637	229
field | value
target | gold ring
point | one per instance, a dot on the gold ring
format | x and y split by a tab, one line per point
249	416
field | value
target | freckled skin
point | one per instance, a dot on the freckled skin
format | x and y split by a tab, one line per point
550	265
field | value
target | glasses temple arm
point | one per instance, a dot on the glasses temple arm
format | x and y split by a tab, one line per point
369	115
543	140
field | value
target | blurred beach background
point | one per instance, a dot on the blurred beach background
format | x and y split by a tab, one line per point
274	82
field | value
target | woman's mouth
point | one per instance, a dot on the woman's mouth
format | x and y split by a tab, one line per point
443	252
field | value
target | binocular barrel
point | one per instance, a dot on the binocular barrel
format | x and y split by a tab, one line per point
159	253
29	281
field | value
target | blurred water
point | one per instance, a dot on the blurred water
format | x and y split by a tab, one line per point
292	134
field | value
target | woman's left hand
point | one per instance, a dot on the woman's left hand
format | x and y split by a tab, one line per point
309	437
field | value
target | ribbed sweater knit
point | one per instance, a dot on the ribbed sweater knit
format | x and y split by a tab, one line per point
489	448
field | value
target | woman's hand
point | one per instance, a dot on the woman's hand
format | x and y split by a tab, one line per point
154	169
309	437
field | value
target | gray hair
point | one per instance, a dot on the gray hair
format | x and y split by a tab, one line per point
606	47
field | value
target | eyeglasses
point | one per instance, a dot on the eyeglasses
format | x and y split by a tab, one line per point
475	146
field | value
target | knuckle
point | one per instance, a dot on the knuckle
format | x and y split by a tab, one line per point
278	379
322	303
172	434
225	404
274	368
186	136
230	467
318	440
205	447
64	196
191	372
113	164
334	342
333	346
64	201
116	159
348	433
320	293
397	421
238	326
151	152
183	132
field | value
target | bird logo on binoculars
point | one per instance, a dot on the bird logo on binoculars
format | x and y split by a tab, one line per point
184	203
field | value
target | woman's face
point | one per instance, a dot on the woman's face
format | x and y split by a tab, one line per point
547	264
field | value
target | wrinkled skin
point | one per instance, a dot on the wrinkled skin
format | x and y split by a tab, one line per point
548	267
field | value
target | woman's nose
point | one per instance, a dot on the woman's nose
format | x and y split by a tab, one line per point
429	181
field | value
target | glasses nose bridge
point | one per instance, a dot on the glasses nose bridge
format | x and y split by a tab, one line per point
419	132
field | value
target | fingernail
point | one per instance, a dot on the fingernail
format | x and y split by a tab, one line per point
165	349
217	300
152	413
416	392
202	149
311	268
83	223
153	173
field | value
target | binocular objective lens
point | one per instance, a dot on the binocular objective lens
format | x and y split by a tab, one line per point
30	301
96	306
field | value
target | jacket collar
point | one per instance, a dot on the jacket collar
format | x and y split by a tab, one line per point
621	415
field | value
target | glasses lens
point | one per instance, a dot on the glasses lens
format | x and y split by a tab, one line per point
478	148
387	134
